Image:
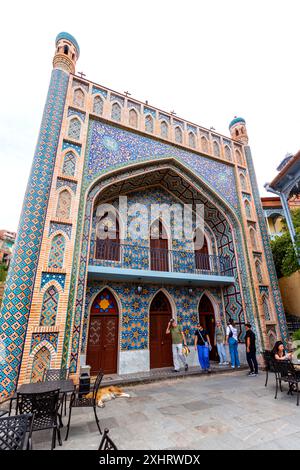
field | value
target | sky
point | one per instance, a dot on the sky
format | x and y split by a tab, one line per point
207	60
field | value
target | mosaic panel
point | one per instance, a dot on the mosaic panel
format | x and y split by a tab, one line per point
75	112
100	91
150	111
61	182
37	338
19	287
41	362
78	98
56	226
133	104
98	105
176	122
57	252
48	277
74	129
69	165
67	145
64	205
117	98
49	307
83	85
164	117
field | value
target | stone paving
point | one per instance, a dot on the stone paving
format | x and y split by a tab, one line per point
227	411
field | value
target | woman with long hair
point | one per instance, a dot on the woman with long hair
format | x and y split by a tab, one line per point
279	352
232	341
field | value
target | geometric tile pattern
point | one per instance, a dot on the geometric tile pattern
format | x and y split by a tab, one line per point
57	251
49	307
49	277
41	362
19	287
69	166
74	112
100	91
63	182
64	204
37	338
56	226
70	145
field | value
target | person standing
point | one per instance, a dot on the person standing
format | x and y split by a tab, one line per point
220	343
203	346
251	351
232	340
177	338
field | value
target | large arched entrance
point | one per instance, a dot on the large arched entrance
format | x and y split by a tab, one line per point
207	320
160	342
102	349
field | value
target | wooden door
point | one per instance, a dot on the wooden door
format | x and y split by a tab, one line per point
160	342
108	239
102	350
159	254
207	320
202	256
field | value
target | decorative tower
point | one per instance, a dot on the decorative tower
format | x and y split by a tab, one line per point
238	130
18	292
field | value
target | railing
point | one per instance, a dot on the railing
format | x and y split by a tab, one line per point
142	257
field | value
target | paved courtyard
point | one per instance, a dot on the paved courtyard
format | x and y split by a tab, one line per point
227	411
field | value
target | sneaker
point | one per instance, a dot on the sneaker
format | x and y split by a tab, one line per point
238	367
250	373
221	363
253	374
232	367
186	367
226	363
175	370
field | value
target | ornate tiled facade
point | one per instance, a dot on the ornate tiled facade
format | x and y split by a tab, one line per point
93	151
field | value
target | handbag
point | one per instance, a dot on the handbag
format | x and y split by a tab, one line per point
205	342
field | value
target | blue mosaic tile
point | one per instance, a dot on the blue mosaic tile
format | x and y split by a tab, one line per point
75	112
49	277
69	145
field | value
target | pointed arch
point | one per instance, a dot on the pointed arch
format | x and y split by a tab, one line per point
248	209
243	181
227	151
178	135
98	105
160	344
192	140
216	148
69	164
253	237
57	252
116	111
159	246
213	301
108	237
49	306
149	123
41	362
238	157
201	251
266	307
63	210
78	97
133	118
204	144
164	130
74	128
259	271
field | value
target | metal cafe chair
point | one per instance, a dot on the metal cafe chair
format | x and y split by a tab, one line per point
78	401
13	432
269	363
288	373
57	374
106	442
44	407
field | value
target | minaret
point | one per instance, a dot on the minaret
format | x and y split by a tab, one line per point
238	130
16	304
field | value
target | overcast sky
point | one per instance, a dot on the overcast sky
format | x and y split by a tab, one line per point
207	60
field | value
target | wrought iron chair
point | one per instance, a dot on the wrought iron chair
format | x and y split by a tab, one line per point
269	363
77	401
106	442
44	408
290	375
13	430
57	374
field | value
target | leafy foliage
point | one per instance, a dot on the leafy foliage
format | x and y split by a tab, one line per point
3	272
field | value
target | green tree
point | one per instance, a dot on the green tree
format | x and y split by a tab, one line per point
3	272
284	254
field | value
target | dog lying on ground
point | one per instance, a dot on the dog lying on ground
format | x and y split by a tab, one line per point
107	394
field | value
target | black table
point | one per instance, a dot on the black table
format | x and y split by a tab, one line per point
3	413
65	386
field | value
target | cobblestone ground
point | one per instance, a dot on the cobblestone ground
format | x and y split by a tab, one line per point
228	411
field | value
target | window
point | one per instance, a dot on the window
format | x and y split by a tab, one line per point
258	271
204	144
133	118
216	148
178	135
69	165
74	129
239	157
202	260
265	303
64	205
41	362
57	252
164	129
78	98
248	209
98	105
243	182
116	112
49	307
253	238
108	237
149	123
66	50
227	153
192	140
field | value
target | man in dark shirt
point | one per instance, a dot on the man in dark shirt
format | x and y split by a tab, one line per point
251	351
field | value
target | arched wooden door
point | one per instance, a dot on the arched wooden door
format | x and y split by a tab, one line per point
102	350
160	342
207	320
108	237
201	254
159	253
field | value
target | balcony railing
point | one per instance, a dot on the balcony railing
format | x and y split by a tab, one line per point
157	259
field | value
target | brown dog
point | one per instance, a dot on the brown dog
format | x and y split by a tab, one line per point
107	394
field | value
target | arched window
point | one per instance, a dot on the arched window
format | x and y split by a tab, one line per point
239	157
164	129
98	105
64	205
116	112
78	98
57	252
66	50
266	308
69	165
236	132
253	238
108	237
216	148
149	123
133	118
159	255
204	144
258	271
228	153
41	362
74	129
178	135
243	182
248	209
49	307
192	140
202	261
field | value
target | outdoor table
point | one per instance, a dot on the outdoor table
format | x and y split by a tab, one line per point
64	386
3	413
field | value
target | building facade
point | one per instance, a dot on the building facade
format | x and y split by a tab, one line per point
7	240
73	297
